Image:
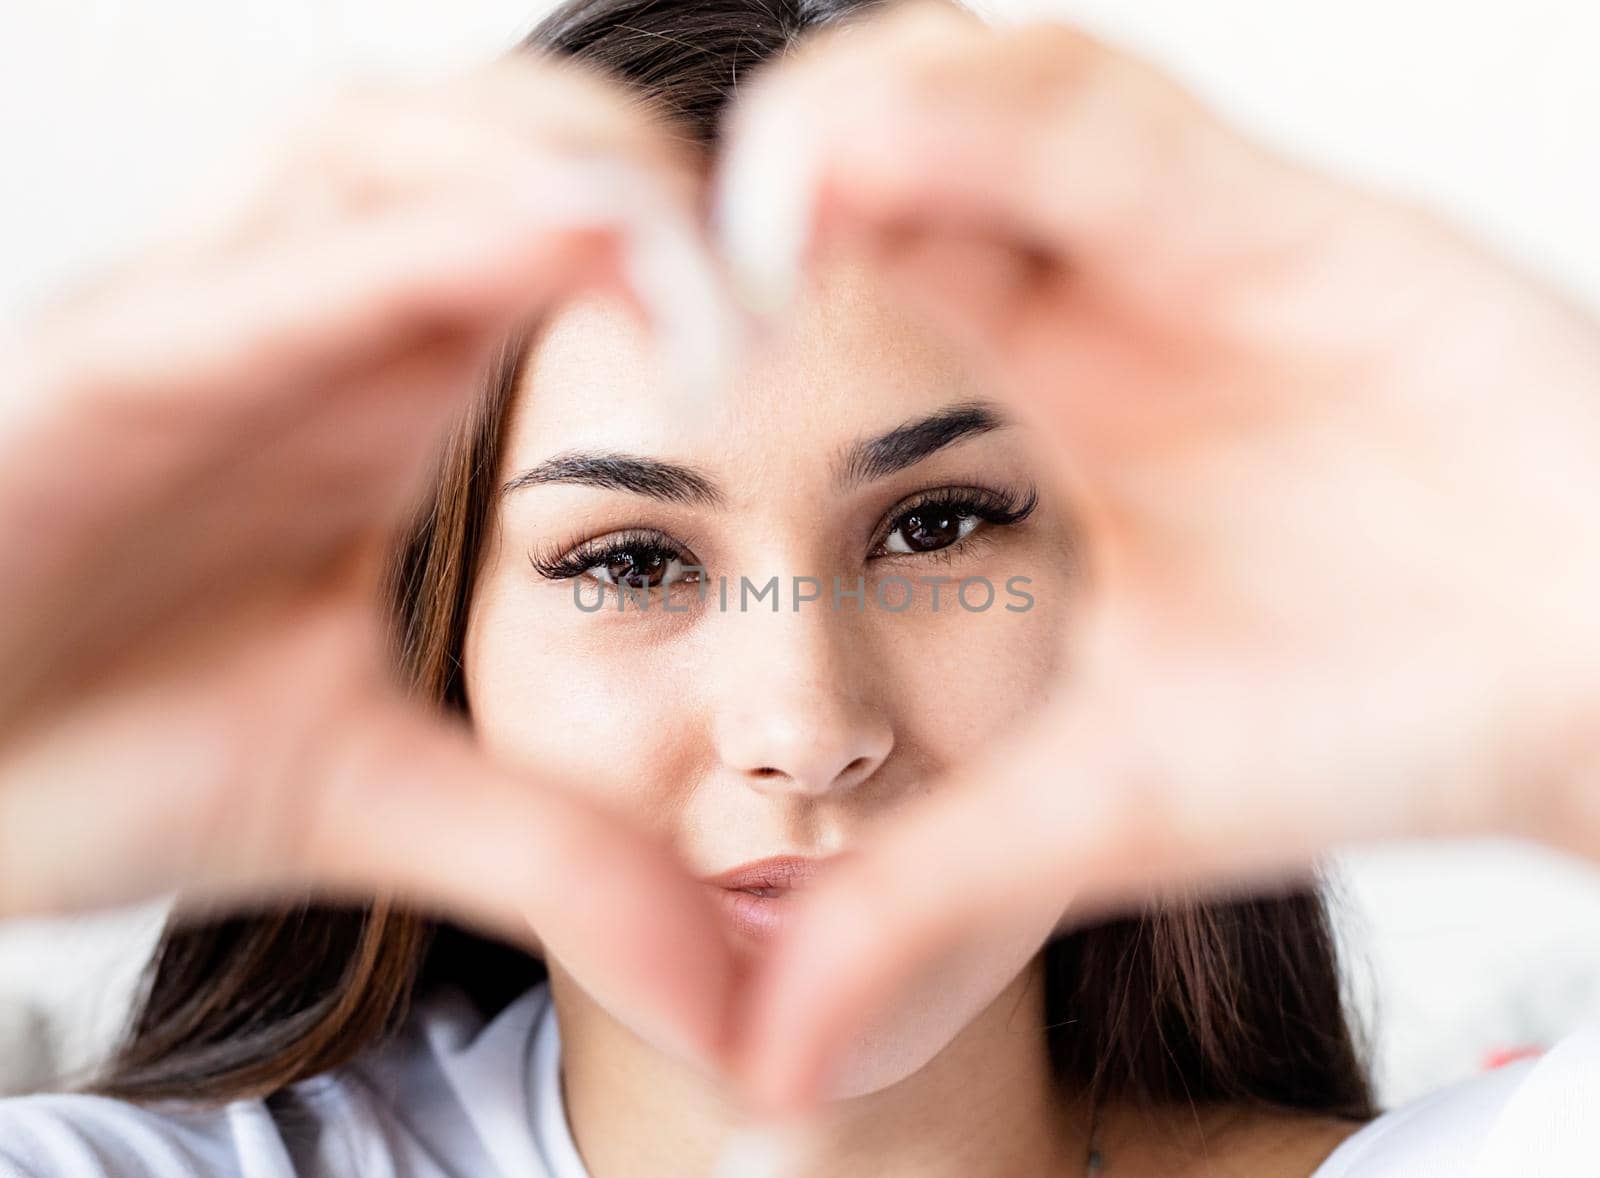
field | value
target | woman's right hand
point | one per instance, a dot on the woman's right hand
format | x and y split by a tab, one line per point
204	462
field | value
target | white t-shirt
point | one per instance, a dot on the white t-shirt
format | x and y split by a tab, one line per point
455	1097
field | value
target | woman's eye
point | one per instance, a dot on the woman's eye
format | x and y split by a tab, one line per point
640	568
640	560
944	519
927	529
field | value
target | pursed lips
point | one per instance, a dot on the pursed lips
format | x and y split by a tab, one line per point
753	895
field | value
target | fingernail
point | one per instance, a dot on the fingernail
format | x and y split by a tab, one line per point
665	264
763	209
700	331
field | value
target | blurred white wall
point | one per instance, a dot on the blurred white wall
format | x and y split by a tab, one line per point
109	109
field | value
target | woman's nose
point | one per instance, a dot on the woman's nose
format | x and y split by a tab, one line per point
797	717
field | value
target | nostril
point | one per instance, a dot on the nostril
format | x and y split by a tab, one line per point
857	770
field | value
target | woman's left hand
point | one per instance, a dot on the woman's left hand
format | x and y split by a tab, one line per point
1337	470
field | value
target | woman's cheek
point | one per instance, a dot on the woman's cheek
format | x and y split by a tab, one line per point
963	676
547	694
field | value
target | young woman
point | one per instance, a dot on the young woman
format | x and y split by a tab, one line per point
755	622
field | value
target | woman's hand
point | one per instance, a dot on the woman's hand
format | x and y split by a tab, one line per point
204	463
1338	473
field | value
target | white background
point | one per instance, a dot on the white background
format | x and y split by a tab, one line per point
110	110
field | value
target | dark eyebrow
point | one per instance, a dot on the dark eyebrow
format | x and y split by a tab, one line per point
621	472
908	444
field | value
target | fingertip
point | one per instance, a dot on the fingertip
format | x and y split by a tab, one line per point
764	204
821	984
661	258
699	326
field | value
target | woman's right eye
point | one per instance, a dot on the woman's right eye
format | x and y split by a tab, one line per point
640	568
640	561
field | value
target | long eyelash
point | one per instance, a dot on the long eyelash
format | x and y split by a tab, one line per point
559	564
989	505
1001	507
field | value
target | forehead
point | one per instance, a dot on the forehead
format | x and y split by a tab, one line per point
849	361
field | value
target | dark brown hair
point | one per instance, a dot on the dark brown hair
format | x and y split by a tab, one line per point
1234	1002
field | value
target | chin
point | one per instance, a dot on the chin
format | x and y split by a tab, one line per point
954	1010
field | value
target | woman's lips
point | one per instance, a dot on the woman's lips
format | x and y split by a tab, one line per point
756	896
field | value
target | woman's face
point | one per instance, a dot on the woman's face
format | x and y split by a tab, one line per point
744	720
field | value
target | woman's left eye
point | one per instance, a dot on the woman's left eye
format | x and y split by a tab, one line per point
946	518
930	529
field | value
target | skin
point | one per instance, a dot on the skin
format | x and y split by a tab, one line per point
208	450
1234	364
751	734
1337	467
